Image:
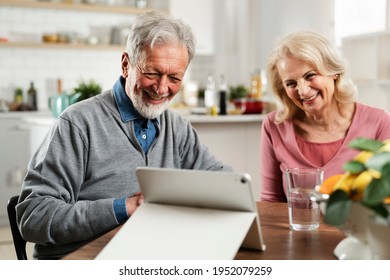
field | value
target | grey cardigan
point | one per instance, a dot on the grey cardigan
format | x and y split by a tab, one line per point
86	161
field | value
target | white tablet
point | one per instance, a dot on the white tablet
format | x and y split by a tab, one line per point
189	214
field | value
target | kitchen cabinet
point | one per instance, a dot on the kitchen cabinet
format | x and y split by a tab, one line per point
368	61
15	154
235	140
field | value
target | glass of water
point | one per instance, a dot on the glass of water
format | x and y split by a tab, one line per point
304	212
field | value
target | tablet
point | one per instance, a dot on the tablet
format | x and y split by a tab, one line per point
197	188
189	214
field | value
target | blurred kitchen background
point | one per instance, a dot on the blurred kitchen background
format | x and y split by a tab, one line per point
56	45
72	40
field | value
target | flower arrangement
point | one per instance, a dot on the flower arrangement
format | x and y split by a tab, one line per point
366	180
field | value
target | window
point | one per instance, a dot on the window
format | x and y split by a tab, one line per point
353	17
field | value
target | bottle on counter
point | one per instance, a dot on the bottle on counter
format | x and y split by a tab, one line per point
256	84
191	93
222	95
141	4
18	96
32	97
210	94
59	86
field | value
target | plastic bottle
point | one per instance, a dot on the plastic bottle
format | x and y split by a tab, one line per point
222	95
256	85
209	94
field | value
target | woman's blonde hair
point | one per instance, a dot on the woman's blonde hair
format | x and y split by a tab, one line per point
317	51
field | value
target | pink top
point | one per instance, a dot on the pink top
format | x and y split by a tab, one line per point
318	153
280	149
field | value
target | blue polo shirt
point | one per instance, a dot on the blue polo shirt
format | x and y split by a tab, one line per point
145	130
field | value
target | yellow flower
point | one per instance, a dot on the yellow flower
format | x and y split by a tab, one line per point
346	182
360	184
385	147
363	156
374	173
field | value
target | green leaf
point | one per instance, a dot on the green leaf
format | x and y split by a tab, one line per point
365	144
338	208
354	166
237	92
377	191
87	89
374	193
380	210
386	179
378	161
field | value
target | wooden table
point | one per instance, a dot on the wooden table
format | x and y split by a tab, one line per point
282	243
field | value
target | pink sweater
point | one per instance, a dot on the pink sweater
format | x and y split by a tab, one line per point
279	148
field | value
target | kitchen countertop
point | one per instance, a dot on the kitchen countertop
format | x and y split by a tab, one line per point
24	114
45	118
225	118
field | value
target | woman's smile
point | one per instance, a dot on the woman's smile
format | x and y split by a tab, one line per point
310	99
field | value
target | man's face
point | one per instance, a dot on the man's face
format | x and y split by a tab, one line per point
156	78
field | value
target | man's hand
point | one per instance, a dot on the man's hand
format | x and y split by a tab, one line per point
133	202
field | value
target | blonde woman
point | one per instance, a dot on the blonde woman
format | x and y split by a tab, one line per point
318	115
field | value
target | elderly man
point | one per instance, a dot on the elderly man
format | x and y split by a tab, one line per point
81	182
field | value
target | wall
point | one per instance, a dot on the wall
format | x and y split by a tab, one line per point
246	31
278	17
234	40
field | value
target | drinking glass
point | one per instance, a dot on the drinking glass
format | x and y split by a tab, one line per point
304	212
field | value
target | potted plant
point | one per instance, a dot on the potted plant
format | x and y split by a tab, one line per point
359	195
238	92
239	96
86	90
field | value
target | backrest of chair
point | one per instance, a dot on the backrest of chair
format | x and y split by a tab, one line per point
19	241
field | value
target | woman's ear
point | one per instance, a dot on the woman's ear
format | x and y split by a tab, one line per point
125	65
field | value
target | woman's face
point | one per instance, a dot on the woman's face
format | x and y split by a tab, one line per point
305	86
156	78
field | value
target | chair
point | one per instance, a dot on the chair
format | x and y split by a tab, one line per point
19	241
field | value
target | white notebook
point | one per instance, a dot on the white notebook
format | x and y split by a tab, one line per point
189	214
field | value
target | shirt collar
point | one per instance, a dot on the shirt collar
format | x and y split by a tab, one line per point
125	105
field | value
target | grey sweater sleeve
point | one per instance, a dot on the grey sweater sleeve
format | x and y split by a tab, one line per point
53	211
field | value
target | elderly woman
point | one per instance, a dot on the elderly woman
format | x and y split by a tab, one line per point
318	115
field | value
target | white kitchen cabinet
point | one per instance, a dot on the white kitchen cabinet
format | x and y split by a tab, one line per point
368	59
15	154
235	140
199	15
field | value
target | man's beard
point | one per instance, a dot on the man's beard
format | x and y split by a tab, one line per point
148	111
